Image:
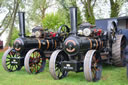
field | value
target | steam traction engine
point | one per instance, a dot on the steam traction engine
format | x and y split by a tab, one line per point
32	51
86	49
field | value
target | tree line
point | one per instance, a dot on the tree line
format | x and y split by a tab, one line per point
37	13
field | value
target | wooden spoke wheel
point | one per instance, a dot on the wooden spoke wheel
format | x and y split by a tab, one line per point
92	66
118	48
34	61
10	61
55	64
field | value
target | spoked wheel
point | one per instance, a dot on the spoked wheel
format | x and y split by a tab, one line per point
118	54
112	30
55	64
63	29
34	61
10	60
92	66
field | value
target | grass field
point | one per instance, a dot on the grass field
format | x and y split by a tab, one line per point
110	76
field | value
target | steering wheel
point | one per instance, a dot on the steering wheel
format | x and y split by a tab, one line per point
63	30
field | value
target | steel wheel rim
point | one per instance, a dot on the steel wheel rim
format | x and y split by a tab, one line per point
92	66
55	65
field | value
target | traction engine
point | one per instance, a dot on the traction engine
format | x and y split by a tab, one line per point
32	51
85	50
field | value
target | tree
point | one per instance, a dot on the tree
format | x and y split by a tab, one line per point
64	8
8	21
15	9
88	10
116	7
4	24
8	16
14	36
53	21
38	10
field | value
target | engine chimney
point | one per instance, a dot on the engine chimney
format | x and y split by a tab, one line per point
73	20
22	24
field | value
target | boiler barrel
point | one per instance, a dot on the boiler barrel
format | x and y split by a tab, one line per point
74	44
22	44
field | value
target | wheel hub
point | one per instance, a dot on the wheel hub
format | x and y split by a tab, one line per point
36	61
14	62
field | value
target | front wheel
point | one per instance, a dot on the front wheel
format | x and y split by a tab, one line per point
92	66
55	64
11	60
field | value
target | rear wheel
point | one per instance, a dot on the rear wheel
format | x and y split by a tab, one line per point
55	64
11	60
34	61
118	47
92	66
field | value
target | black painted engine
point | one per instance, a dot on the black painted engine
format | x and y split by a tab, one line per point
32	51
86	49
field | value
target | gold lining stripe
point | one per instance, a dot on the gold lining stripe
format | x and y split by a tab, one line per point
102	43
55	43
96	43
52	44
39	43
90	43
47	44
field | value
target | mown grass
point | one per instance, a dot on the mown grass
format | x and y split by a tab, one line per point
110	76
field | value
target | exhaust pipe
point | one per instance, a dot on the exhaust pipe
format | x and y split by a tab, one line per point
73	20
22	24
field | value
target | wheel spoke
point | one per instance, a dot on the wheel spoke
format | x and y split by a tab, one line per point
7	61
56	69
11	67
35	69
32	68
15	66
59	74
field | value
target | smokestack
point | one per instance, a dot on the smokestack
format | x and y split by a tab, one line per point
73	20
22	24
